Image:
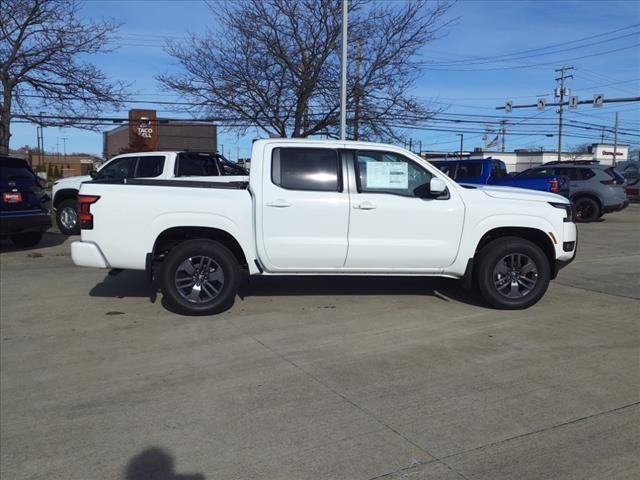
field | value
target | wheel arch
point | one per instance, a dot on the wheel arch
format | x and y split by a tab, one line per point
173	236
534	235
64	194
588	194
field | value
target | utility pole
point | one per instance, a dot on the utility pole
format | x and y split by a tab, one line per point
461	135
602	136
561	79
615	140
420	148
411	144
343	89
503	131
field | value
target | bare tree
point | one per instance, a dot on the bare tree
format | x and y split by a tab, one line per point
578	151
275	64
42	43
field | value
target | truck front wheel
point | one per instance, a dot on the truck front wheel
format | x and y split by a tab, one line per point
513	273
200	277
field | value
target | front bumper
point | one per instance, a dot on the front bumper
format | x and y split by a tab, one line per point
616	208
87	254
12	223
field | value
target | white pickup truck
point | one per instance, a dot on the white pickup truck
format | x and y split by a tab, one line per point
316	207
158	165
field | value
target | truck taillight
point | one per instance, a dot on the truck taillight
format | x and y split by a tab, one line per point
554	185
84	215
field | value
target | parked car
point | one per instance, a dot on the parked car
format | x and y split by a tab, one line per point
631	171
160	165
491	171
24	207
325	208
594	189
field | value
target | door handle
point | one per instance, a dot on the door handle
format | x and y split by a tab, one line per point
364	206
279	203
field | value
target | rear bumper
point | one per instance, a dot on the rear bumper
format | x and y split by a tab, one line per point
616	208
87	254
22	222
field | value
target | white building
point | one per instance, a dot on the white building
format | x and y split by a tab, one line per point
520	160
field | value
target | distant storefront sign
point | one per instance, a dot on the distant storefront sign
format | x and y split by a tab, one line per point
143	129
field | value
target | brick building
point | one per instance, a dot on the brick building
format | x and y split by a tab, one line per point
145	132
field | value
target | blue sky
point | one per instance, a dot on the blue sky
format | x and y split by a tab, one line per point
485	29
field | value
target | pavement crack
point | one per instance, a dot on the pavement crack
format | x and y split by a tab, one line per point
541	430
597	291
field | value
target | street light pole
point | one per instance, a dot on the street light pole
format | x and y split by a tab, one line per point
461	135
343	89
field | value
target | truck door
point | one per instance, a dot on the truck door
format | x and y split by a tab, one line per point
392	228
305	209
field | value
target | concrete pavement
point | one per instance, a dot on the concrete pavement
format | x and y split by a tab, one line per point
305	378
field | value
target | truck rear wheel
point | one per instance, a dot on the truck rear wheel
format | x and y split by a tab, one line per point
513	273
200	277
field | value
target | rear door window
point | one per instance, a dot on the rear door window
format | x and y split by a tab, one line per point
196	165
572	173
118	169
150	166
469	170
536	172
315	169
498	169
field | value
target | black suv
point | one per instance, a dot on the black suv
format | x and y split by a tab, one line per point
24	206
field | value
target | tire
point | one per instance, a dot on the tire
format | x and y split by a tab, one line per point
28	239
531	273
67	217
586	209
185	286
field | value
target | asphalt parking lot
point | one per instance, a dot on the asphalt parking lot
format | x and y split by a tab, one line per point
305	378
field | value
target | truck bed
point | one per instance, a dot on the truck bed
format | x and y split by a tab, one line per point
144	208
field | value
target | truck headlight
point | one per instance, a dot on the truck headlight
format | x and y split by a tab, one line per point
567	207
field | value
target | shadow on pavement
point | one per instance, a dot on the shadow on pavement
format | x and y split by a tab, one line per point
129	283
50	239
134	284
155	464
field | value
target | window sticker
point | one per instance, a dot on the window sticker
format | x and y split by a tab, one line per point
387	175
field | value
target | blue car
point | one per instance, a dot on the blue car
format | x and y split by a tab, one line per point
491	171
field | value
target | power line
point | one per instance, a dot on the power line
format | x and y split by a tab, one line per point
603	34
535	55
532	65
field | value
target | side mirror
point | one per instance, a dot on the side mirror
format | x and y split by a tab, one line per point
434	189
437	187
93	174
